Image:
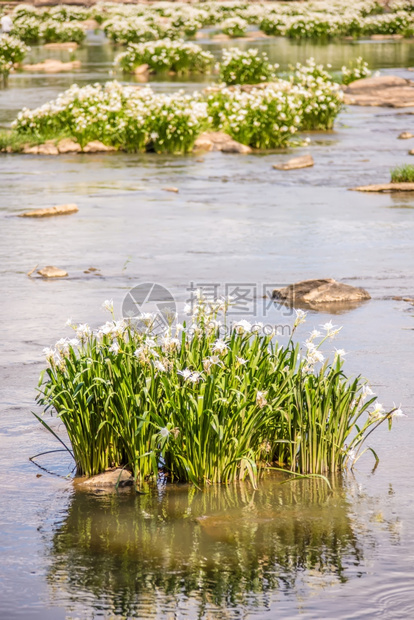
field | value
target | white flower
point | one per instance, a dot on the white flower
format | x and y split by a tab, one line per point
186	373
398	413
114	348
83	331
164	432
108	304
366	391
241	361
219	346
378	413
159	366
340	353
300	317
261	399
69	323
243	326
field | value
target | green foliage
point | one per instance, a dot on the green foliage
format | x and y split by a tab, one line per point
234	27
205	408
403	174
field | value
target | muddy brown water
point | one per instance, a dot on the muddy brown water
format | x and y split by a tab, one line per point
283	551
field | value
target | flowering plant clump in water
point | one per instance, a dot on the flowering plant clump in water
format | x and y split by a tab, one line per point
12	51
126	117
202	406
357	70
245	67
234	27
166	55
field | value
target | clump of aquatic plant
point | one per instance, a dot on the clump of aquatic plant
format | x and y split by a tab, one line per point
403	174
124	117
166	55
133	30
206	401
357	70
234	27
245	67
12	51
322	99
262	118
54	31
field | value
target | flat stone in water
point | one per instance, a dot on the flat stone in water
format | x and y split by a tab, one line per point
320	291
50	211
108	479
385	187
387	90
306	161
52	272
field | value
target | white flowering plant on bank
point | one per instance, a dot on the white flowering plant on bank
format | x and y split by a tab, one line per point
245	67
204	407
166	55
12	52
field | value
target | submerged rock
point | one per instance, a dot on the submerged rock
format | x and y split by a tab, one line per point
52	65
96	146
305	161
52	272
175	190
220	141
141	69
48	212
107	480
320	291
385	187
387	90
405	135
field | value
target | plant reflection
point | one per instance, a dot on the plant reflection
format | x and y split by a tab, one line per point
224	547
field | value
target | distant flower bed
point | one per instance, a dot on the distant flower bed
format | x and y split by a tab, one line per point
12	51
204	407
135	23
31	30
357	70
166	55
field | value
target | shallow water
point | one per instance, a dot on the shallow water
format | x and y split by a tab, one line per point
285	550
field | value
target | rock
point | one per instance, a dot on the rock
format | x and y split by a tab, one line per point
219	141
321	291
52	65
70	46
306	161
52	272
387	90
141	69
386	37
48	148
109	479
220	37
385	187
66	145
171	189
411	152
96	146
405	135
58	210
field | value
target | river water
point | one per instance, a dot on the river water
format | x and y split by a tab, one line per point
284	551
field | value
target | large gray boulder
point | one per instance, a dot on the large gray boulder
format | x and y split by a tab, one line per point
320	291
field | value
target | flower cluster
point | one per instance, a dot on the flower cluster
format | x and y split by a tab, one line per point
12	51
357	70
166	55
32	30
125	117
234	27
206	408
245	67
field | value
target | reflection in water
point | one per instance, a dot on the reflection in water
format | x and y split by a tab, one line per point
224	547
